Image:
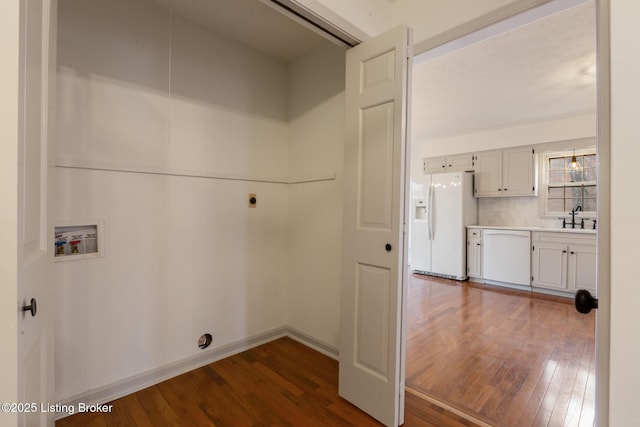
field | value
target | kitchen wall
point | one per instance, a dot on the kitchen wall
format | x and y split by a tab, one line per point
555	135
183	255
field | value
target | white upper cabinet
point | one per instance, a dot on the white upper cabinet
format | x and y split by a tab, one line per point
435	165
509	172
488	174
459	163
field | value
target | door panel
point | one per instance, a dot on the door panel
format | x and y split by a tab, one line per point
35	328
375	209
376	167
372	346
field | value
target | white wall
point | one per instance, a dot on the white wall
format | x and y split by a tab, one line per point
576	127
182	255
314	229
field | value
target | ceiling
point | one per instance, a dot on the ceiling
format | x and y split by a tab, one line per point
250	22
543	70
537	71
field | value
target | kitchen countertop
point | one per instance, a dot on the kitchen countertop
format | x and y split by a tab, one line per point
546	229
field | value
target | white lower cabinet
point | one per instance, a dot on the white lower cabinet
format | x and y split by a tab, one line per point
549	265
474	252
562	261
582	267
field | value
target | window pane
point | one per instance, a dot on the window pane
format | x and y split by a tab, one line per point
590	161
556	177
574	176
589	205
556	205
590	191
589	174
556	163
556	192
573	192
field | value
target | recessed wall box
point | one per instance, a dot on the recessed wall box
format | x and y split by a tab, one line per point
77	241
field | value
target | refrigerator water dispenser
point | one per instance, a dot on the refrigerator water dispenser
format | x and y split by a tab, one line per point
420	204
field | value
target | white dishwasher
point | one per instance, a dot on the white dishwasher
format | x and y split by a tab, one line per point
507	256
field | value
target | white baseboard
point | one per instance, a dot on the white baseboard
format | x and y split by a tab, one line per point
138	382
311	342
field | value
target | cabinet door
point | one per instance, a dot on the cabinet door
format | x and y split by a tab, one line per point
549	264
474	257
460	163
582	267
518	172
488	174
435	165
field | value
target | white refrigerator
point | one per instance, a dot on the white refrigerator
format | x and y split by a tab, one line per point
442	205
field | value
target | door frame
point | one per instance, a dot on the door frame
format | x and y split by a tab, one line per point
603	148
9	134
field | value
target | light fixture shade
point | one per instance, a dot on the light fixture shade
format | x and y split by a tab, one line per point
574	161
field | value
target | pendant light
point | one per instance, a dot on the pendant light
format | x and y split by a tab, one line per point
574	165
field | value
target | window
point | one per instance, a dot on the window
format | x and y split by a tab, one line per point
567	188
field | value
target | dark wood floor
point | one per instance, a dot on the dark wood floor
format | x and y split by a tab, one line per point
510	358
282	383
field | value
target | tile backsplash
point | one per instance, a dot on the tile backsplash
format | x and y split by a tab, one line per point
513	212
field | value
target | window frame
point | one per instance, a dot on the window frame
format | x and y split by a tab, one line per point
545	185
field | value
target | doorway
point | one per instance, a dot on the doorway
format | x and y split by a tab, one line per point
477	114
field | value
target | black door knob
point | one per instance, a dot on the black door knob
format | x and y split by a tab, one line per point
387	247
585	302
31	307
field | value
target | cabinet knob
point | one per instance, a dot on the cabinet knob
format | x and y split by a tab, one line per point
585	302
387	247
505	189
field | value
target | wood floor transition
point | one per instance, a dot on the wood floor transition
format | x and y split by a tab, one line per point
499	357
282	383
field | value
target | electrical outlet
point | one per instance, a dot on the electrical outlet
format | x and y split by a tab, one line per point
253	201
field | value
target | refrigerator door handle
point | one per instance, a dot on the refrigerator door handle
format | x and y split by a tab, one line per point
430	214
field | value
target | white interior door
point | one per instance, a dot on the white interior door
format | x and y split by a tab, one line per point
35	325
375	208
